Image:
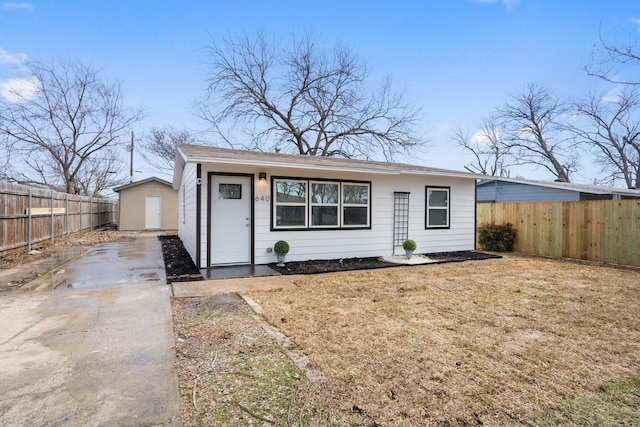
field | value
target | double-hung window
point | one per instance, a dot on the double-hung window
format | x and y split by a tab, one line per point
290	203
355	205
304	204
437	209
325	198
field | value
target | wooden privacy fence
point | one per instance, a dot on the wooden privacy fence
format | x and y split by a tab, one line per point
29	215
599	230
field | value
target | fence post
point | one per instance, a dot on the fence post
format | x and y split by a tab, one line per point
80	200
90	214
66	213
52	219
29	223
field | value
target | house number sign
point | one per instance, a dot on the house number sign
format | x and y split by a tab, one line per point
262	198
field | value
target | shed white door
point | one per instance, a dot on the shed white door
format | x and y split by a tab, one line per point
152	206
230	220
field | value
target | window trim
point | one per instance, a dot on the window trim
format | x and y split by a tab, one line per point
308	222
427	208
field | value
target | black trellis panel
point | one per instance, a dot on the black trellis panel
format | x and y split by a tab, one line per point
400	218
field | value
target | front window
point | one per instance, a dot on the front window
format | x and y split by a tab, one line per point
300	203
290	204
355	205
324	204
437	209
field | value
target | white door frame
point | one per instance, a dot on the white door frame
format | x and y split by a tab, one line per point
212	194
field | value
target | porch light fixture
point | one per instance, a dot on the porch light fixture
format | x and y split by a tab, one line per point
262	176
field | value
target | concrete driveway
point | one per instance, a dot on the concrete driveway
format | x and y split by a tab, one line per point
96	351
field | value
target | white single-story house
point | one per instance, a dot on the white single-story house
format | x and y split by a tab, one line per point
506	190
149	204
234	205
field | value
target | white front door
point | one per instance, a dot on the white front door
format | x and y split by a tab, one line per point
152	206
230	220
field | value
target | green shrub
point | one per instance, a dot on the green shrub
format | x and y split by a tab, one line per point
497	237
281	247
409	245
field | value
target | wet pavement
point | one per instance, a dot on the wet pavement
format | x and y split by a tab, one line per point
11	278
108	264
96	350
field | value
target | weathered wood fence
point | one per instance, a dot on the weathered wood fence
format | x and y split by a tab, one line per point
30	215
600	230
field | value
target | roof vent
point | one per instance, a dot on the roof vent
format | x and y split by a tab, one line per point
558	180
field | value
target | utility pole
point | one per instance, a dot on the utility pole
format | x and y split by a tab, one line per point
131	162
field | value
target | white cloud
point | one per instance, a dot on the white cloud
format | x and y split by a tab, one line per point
23	6
12	58
636	21
20	89
612	97
482	138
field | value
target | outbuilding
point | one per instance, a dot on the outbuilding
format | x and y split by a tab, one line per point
234	205
149	204
506	190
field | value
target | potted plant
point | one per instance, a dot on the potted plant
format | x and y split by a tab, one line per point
409	246
281	248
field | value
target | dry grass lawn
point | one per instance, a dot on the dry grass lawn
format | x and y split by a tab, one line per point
511	342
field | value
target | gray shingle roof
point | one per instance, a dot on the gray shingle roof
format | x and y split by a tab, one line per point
203	154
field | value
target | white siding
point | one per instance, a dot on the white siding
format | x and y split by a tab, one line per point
187	213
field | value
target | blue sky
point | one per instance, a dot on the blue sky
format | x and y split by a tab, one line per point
458	59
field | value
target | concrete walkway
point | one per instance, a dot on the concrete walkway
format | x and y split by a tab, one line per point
98	350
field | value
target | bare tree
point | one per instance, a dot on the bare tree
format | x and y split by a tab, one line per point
100	173
609	59
489	150
533	131
305	100
69	117
612	127
159	146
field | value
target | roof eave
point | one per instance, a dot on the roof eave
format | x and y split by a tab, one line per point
332	168
136	183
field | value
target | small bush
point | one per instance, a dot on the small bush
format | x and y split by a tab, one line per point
497	237
409	245
281	247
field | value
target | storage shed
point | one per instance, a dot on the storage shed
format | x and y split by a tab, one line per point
149	204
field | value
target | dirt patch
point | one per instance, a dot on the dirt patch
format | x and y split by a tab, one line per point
232	373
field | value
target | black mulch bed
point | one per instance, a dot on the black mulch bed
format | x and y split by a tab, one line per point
348	264
177	262
180	268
